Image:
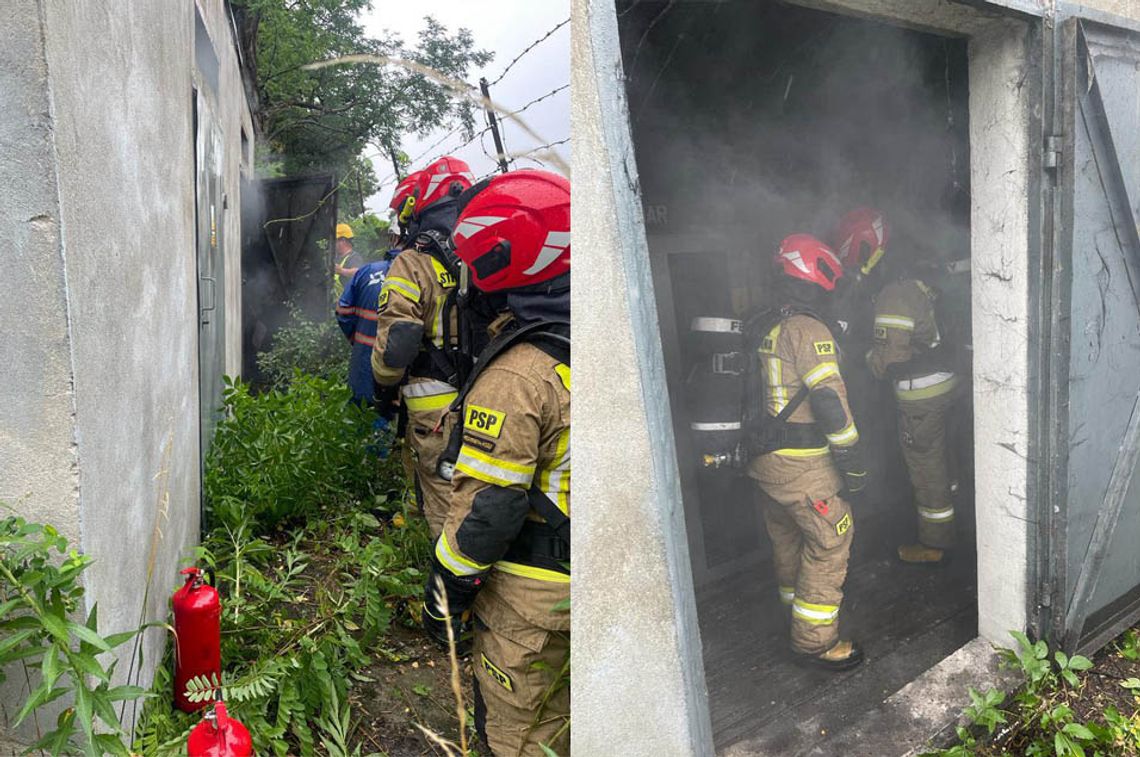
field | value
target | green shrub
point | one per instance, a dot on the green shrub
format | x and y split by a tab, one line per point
283	453
315	348
303	617
40	594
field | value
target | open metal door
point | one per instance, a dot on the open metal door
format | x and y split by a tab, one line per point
1095	513
210	233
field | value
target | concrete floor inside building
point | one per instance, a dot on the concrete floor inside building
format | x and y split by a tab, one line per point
908	618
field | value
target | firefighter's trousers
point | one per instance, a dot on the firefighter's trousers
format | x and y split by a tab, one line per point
519	703
922	434
811	528
427	436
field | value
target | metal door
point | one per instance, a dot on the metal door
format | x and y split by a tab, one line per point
210	213
1095	513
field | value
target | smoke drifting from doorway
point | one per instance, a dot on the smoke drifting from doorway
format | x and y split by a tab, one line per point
763	119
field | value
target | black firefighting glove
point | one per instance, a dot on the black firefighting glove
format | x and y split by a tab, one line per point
460	592
387	400
856	478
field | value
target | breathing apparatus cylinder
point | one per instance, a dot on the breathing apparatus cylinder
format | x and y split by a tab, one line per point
715	390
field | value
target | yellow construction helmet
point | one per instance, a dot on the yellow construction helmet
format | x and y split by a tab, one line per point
343	231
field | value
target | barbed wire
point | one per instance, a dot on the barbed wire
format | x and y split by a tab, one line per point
526	50
475	135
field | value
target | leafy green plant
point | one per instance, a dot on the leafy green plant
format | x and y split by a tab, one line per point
40	595
1068	667
313	348
1040	721
284	453
300	610
1129	646
984	711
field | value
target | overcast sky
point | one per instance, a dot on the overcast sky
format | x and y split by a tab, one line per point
504	27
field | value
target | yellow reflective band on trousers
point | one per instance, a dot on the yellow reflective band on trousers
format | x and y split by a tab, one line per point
406	287
847	436
432	402
530	571
895	322
909	395
819	373
425	396
936	516
787	594
491	470
817	615
455	562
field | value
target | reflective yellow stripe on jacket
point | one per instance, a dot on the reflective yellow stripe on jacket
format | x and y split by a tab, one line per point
554	481
492	470
406	287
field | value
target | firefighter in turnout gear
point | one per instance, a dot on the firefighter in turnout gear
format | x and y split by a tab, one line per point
416	336
908	351
503	557
808	463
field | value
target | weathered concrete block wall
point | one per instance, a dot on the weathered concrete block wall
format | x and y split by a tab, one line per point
999	227
99	410
637	617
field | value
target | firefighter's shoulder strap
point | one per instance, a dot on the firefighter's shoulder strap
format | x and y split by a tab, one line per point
553	338
756	329
444	358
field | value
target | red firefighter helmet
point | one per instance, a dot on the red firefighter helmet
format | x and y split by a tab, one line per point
861	238
516	231
802	256
405	191
439	180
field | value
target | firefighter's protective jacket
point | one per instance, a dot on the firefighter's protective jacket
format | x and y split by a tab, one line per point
907	345
409	324
356	316
516	439
798	352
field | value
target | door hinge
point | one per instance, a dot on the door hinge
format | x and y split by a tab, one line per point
1052	151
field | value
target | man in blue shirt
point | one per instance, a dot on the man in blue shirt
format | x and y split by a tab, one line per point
356	314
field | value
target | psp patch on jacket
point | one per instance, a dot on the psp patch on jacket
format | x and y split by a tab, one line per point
825	348
499	676
484	420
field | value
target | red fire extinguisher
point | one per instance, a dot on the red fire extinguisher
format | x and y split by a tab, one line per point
219	735
198	627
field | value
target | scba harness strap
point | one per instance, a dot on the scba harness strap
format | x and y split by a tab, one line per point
766	433
552	337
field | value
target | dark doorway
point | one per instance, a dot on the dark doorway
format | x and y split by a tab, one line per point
752	121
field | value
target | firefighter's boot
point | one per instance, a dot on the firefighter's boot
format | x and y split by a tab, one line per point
844	655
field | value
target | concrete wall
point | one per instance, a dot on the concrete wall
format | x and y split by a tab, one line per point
639	689
1000	160
100	413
